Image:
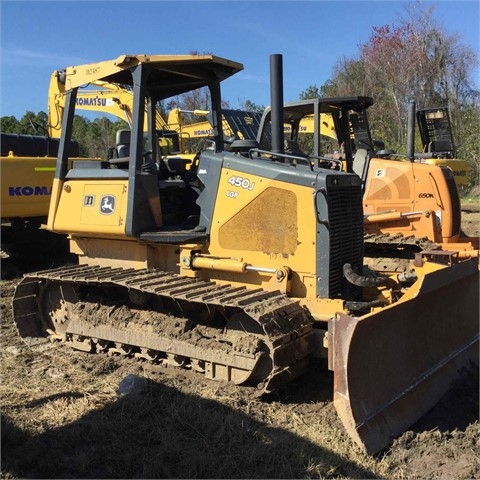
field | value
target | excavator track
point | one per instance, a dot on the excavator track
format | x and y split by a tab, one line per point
247	336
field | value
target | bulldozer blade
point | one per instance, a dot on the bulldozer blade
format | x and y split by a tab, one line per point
394	365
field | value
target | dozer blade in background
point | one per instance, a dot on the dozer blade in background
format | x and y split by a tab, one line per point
392	366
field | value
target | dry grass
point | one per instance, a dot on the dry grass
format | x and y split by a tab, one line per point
62	418
173	429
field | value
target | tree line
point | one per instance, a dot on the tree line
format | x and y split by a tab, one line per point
413	60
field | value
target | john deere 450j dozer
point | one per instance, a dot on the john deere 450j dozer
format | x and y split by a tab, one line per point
245	267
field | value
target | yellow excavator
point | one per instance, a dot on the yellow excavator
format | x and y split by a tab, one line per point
116	100
27	164
244	267
237	124
405	199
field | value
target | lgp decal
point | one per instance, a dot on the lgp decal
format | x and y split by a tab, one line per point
107	204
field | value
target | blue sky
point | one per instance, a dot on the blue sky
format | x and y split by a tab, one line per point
38	37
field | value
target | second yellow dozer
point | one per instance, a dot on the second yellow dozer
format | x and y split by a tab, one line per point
243	269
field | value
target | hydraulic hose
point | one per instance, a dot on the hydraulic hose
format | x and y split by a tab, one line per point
371	279
364	306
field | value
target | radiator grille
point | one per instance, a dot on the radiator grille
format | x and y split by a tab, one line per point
346	238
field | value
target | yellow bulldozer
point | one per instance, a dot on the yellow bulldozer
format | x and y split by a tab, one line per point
244	267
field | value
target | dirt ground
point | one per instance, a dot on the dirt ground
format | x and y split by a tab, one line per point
63	417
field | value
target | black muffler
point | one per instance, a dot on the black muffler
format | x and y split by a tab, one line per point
276	102
411	131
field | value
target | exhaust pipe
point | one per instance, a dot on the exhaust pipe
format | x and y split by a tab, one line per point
276	102
411	131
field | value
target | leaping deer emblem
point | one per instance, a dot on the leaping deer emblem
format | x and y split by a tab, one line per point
107	205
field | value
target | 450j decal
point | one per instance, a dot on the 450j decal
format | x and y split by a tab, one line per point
241	182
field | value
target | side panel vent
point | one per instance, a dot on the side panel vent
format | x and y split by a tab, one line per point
346	238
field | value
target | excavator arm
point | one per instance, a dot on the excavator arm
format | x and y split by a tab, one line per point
115	99
69	78
109	98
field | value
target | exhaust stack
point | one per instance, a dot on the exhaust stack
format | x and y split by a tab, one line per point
276	101
411	131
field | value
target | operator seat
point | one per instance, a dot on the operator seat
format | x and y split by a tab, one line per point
122	143
172	167
121	152
173	173
360	162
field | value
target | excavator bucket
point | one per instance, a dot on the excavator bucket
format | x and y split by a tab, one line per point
392	366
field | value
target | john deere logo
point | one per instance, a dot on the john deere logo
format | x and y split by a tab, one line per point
107	205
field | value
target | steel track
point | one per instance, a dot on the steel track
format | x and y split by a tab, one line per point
281	327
